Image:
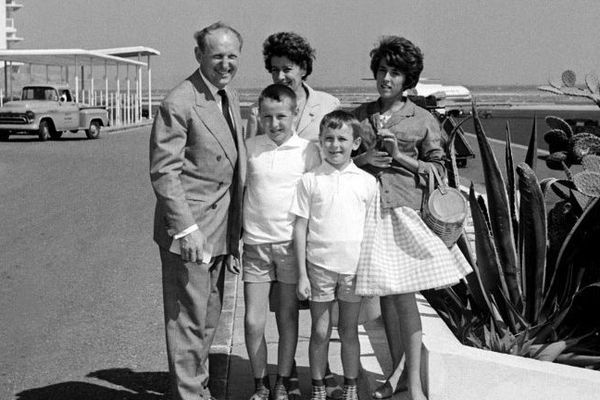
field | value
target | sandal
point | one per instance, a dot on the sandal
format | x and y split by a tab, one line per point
262	393
294	387
386	391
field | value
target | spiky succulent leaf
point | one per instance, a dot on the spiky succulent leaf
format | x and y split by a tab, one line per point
500	219
547	352
511	187
531	156
533	234
486	277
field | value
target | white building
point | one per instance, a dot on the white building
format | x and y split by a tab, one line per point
8	32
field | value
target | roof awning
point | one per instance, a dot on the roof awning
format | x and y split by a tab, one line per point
131	51
64	57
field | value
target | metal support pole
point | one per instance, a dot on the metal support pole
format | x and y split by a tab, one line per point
76	82
150	115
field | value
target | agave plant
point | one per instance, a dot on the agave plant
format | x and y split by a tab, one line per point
526	293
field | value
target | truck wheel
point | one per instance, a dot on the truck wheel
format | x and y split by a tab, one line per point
55	135
44	131
4	136
94	131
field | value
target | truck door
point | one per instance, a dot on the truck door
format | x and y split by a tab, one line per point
69	111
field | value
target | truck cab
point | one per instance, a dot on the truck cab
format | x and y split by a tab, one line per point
49	110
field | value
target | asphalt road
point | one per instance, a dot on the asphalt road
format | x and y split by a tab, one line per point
80	293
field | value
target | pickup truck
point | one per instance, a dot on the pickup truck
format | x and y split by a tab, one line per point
48	111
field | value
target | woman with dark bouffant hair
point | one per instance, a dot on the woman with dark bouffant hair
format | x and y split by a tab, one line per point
400	255
289	59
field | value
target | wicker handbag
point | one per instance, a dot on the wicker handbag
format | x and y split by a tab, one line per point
444	209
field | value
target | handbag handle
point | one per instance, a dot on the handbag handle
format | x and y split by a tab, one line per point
435	175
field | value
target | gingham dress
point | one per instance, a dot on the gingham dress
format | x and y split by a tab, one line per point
400	254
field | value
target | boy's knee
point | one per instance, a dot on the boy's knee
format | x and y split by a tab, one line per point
254	326
348	331
319	334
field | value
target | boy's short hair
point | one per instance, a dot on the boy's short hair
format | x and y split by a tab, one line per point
278	92
337	119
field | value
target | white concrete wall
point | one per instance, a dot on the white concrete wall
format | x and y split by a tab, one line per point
457	372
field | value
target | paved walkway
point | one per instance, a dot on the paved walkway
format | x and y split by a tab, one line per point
231	374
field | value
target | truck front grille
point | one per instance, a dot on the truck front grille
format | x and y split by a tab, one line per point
16	119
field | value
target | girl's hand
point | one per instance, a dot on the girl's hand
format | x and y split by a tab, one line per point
389	142
303	288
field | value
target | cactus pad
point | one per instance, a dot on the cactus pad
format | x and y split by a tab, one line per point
591	80
556	160
569	78
559	123
584	143
588	183
591	162
557	140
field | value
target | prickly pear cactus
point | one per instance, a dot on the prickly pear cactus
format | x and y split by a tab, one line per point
583	144
557	140
560	124
591	162
567	86
588	181
556	160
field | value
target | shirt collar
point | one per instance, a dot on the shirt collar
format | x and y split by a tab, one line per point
212	88
293	141
350	168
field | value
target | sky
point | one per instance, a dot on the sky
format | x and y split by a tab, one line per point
467	42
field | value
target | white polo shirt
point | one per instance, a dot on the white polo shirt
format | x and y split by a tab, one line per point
273	173
335	204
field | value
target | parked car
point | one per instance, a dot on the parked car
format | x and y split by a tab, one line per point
48	111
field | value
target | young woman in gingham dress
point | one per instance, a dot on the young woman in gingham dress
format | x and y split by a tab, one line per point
400	255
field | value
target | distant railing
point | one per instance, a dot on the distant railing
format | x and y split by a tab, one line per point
10	23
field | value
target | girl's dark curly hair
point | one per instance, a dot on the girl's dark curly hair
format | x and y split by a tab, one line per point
401	54
292	46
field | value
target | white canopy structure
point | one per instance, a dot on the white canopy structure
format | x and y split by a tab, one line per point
124	107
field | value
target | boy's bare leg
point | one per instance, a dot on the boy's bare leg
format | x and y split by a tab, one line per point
411	333
256	297
287	325
319	338
348	330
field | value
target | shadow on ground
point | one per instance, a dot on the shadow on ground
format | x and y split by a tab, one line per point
133	386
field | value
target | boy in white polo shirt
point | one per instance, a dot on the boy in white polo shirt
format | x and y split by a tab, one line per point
276	161
330	206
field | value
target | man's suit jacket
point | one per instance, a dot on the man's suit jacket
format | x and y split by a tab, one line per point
196	171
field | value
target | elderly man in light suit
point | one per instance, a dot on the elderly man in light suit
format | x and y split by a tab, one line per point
197	169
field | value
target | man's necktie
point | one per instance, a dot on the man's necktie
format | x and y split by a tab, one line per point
226	114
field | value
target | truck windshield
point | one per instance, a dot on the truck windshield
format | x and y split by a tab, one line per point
39	93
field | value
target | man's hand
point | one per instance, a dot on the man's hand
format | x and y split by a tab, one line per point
233	264
191	246
303	289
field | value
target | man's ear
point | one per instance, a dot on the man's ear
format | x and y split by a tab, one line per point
356	143
197	54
